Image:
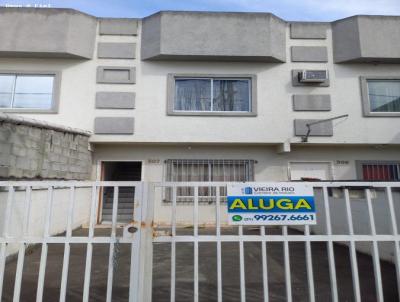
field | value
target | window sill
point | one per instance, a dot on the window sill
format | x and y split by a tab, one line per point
382	114
219	114
31	111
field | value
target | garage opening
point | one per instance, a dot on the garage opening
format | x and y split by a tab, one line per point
119	171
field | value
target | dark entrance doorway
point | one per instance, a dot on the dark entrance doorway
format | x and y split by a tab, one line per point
119	171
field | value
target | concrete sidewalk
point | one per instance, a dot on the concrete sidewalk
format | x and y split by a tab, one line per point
207	273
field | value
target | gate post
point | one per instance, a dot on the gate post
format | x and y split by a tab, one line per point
146	243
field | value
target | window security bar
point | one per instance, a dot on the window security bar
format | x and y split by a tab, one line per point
205	170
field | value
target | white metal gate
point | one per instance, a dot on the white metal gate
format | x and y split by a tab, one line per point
361	221
363	218
19	213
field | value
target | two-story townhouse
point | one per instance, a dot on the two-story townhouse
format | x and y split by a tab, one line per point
205	96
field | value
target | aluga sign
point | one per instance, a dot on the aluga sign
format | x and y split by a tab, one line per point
271	204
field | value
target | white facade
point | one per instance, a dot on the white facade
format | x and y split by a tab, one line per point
269	165
139	139
268	137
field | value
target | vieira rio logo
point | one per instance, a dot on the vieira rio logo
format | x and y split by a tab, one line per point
247	190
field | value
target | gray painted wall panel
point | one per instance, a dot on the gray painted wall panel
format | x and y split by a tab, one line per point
345	40
116	100
151	37
193	36
116	50
295	80
113	125
316	102
309	54
118	26
322	129
116	75
308	30
366	39
46	33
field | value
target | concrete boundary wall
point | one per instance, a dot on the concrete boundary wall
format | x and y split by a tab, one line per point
19	120
32	149
58	220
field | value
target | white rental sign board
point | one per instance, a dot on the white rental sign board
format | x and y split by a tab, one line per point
271	203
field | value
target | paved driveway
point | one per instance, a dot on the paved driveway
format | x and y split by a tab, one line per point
207	273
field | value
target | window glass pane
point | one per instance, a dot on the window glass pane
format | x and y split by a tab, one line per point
34	84
37	101
5	100
6	83
34	92
231	95
192	94
384	96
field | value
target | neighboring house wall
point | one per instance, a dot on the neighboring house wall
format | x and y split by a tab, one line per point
30	149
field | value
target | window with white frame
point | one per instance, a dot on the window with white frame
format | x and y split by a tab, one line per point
216	94
179	170
384	95
26	91
380	95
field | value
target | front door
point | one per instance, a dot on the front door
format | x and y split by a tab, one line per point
119	171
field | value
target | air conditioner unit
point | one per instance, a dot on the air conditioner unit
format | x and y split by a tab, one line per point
313	76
